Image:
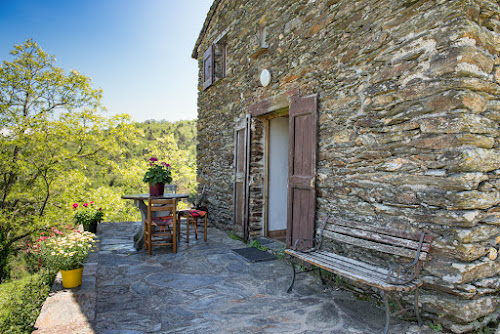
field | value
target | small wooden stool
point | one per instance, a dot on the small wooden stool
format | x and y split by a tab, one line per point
192	217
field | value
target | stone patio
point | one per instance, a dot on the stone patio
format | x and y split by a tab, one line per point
204	288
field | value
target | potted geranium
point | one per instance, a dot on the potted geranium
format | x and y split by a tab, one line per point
88	215
157	175
65	252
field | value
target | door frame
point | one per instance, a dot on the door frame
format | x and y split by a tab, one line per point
274	106
268	108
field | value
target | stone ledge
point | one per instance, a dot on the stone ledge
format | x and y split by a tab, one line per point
69	310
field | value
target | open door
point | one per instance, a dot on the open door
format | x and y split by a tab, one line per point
301	199
277	138
241	166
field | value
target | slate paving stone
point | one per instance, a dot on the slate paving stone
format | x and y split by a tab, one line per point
126	320
205	288
143	269
113	331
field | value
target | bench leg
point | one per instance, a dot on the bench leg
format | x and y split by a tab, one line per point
323	281
417	312
293	277
387	311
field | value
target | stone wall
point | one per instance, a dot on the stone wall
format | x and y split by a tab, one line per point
409	129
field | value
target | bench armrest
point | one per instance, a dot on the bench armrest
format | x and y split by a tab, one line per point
301	243
402	274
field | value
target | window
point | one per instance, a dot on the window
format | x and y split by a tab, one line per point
208	67
214	62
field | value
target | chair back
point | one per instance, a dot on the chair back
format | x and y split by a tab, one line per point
161	236
201	198
167	204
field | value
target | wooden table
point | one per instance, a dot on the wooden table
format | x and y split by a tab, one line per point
139	200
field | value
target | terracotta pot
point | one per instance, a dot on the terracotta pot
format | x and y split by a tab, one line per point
72	278
156	189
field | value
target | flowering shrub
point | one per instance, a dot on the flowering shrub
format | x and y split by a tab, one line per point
63	251
86	214
158	172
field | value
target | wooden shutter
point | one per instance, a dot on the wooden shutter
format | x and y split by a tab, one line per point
241	184
301	204
208	67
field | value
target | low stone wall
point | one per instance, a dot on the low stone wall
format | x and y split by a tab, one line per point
409	129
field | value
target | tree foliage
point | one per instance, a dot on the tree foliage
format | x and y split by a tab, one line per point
57	148
51	126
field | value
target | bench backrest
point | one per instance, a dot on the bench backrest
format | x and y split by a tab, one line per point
382	239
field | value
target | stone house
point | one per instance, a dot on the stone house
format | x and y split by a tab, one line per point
384	112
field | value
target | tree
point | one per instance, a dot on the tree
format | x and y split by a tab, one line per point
183	163
50	126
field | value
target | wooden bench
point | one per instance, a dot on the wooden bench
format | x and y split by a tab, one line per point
395	278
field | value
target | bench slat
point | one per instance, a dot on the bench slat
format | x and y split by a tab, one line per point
327	257
356	271
386	239
382	230
374	245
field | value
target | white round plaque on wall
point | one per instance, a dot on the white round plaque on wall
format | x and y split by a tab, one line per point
265	77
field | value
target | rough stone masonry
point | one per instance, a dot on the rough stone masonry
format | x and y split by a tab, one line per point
409	133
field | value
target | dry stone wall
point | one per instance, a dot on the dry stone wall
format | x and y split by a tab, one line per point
409	125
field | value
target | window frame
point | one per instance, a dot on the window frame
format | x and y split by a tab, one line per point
215	57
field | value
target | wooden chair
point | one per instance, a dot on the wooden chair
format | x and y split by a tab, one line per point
160	231
193	216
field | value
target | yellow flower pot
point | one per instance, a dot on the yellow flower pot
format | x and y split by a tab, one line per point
72	278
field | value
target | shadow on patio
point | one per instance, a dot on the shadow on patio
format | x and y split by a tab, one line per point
204	288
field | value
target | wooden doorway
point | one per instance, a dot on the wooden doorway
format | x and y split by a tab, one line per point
277	138
302	147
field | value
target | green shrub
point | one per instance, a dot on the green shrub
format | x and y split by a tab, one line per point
256	244
280	252
21	301
436	327
233	236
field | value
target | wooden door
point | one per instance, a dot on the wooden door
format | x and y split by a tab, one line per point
241	166
301	203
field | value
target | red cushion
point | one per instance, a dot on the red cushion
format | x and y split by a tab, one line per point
193	213
162	221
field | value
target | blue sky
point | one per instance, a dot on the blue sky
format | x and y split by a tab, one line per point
137	51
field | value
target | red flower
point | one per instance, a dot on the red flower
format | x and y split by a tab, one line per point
75	205
153	159
91	202
85	204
